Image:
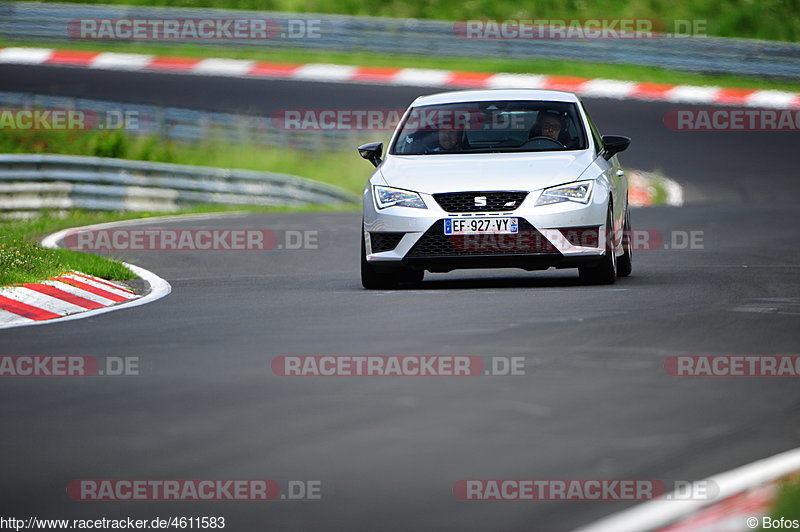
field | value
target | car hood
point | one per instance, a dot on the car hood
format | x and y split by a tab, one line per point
432	174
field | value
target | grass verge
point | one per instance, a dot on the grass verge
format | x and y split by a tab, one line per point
23	260
26	262
621	72
787	503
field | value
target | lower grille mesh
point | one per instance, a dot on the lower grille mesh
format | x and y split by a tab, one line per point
384	241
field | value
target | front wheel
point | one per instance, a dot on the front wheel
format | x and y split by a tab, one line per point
606	271
625	262
375	280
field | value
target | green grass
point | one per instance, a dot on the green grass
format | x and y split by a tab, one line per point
23	260
761	19
659	185
787	504
26	262
527	66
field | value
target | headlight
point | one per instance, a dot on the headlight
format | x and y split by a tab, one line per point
395	197
579	191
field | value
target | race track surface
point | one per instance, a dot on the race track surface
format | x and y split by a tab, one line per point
595	402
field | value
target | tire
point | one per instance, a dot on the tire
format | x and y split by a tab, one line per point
374	280
606	271
625	262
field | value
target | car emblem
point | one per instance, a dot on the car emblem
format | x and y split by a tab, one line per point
510	204
480	201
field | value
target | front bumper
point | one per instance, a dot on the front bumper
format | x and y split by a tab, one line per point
540	244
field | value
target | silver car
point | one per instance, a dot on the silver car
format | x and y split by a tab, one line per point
513	178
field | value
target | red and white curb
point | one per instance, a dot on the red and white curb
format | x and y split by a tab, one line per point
745	496
643	189
60	296
600	88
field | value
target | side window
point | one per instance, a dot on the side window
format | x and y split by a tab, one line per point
598	141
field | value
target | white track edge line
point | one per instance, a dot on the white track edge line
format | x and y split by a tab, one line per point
655	514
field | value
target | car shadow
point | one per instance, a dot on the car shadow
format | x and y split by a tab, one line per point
533	281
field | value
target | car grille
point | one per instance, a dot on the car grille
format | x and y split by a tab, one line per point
434	243
465	201
384	241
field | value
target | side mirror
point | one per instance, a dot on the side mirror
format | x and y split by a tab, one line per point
372	152
613	144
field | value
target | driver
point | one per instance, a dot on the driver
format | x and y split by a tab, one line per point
450	139
550	124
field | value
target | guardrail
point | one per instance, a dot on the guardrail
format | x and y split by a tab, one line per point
47	22
190	125
33	182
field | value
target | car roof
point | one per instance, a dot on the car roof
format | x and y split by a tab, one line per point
496	94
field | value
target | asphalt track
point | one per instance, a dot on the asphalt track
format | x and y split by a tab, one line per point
595	401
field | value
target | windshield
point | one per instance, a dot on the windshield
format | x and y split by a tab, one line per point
491	127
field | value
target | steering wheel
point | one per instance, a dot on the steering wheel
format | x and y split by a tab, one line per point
551	139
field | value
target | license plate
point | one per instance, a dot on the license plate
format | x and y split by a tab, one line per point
480	226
